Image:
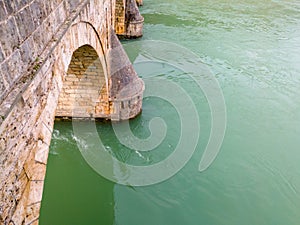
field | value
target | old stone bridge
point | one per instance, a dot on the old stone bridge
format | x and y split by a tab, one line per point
57	58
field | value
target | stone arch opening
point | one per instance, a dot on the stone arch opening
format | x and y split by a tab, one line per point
84	92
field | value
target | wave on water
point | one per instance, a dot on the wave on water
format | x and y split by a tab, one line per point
82	144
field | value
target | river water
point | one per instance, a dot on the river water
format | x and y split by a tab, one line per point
252	48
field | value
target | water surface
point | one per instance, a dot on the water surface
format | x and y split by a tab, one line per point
253	49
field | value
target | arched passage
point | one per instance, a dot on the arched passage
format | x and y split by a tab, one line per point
84	92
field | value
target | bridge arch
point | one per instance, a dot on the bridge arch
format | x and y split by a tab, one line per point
84	74
84	92
122	96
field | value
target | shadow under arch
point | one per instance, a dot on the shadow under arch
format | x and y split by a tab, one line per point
84	75
85	88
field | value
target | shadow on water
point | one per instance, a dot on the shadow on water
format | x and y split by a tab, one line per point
73	192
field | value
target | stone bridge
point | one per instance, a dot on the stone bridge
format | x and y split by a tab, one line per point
57	58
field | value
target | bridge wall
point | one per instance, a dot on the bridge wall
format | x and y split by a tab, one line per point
25	29
37	42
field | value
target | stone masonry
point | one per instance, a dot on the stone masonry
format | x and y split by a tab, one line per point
57	58
84	85
129	22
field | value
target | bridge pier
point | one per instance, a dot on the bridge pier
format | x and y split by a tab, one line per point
65	49
90	91
139	2
129	22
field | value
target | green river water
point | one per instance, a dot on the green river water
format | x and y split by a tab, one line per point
253	49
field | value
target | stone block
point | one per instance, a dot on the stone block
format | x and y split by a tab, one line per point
39	42
9	36
34	170
48	24
15	69
38	12
20	4
28	207
35	192
10	6
41	154
26	53
25	15
60	15
3	13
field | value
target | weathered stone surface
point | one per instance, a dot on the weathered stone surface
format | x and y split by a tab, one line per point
4	68
3	12
21	3
33	22
25	15
34	169
10	6
41	155
38	13
35	193
14	66
32	214
22	181
9	36
20	212
27	55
